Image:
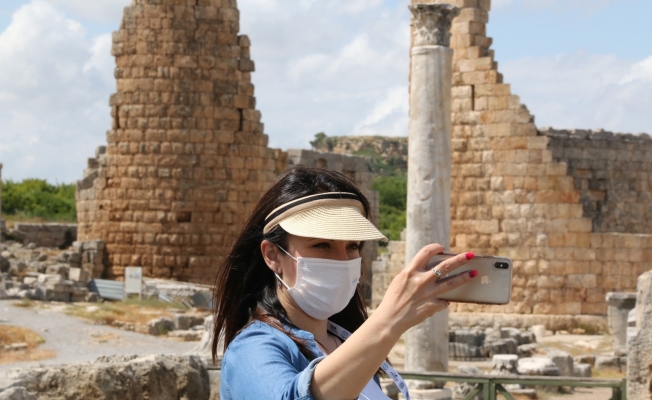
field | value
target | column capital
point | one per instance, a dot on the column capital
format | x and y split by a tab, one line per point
432	23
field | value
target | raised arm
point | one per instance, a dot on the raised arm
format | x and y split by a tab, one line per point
410	299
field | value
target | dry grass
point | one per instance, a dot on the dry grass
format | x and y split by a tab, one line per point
136	312
603	347
14	334
608	374
24	303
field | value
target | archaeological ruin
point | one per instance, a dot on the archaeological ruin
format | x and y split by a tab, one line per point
186	159
569	207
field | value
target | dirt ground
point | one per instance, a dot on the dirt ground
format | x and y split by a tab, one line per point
72	340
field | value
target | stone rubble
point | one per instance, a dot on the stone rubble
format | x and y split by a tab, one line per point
161	377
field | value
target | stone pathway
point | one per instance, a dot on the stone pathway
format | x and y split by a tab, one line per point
76	341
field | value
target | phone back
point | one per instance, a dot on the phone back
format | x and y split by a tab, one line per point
493	285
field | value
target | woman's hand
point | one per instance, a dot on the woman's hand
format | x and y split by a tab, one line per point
412	295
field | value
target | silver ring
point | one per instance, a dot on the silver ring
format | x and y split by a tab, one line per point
437	274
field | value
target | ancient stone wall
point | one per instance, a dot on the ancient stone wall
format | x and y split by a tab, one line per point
612	174
2	226
45	235
513	193
357	169
186	158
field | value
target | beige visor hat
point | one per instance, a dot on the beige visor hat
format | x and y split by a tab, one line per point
332	215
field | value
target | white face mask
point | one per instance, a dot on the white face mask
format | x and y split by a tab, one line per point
323	287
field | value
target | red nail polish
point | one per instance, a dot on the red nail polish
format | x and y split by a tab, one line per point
473	273
469	255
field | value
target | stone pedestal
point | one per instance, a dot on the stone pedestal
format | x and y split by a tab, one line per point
619	306
639	349
429	168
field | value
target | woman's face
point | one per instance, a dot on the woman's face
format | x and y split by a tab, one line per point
299	246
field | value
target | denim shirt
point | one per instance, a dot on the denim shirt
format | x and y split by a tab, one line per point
263	363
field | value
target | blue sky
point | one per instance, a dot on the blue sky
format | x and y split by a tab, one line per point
338	66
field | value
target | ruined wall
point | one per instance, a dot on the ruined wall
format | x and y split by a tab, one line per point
357	169
45	235
513	193
612	173
2	224
186	158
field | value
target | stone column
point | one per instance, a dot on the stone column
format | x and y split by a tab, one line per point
619	306
429	165
639	348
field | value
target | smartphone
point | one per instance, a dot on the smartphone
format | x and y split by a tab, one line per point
493	285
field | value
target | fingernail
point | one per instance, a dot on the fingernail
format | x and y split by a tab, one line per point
473	273
469	255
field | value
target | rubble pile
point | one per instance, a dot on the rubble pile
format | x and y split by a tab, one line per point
46	274
478	343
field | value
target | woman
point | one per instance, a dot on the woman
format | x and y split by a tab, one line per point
295	267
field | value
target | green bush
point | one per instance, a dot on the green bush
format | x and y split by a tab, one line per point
37	198
393	204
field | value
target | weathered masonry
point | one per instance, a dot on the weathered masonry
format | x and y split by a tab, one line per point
571	208
186	157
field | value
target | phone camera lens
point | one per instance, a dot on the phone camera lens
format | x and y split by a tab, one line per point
501	265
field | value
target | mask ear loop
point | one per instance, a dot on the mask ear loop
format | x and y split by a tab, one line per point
278	277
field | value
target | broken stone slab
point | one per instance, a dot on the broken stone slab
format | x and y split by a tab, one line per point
607	363
537	366
619	306
185	322
511	333
585	359
472	337
58	269
16	347
505	363
582	370
527	350
119	377
501	346
16	393
563	360
461	390
463	351
79	275
160	326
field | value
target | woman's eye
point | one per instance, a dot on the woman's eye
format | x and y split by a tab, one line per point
322	245
354	246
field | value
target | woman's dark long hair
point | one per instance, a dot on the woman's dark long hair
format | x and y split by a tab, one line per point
245	287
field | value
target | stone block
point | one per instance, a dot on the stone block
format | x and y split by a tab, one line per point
537	366
582	370
79	275
505	363
563	360
160	326
607	363
185	322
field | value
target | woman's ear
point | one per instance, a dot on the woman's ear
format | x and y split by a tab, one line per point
271	255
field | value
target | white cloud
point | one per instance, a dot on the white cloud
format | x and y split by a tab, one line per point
585	91
53	94
107	11
328	66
